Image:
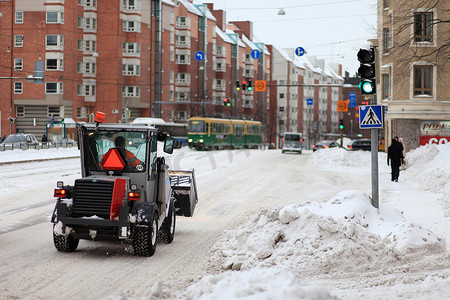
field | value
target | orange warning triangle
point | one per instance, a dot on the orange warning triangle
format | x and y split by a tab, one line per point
113	160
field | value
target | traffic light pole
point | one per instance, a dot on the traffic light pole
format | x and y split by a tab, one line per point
374	153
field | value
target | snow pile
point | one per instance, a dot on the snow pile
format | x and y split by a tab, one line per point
33	154
426	168
333	157
258	283
344	234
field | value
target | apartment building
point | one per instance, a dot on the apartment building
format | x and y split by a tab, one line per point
150	58
415	70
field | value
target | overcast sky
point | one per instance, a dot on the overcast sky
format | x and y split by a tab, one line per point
330	29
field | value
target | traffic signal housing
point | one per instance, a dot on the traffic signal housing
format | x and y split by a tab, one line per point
249	86
367	71
341	124
238	85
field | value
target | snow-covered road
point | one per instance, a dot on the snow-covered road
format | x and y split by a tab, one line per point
232	185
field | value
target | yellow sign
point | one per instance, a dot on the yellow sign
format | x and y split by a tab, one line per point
342	106
260	86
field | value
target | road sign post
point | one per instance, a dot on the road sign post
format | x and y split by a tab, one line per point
371	117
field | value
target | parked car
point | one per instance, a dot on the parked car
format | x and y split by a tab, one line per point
292	141
324	144
361	144
20	139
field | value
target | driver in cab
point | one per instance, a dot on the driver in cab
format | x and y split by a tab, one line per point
131	160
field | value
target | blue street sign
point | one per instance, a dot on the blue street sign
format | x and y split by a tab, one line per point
371	116
309	101
299	51
199	55
352	98
255	54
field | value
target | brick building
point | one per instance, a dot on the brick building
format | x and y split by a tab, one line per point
150	58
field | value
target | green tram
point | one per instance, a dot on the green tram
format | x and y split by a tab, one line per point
214	133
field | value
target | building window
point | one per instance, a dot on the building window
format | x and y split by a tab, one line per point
131	70
181	96
20	111
53	40
386	40
183	22
281	96
54	111
80	22
131	26
182	41
55	17
90	3
131	48
82	112
183	78
90	46
18	87
221	50
53	87
18	64
423	27
86	67
220	67
90	23
19	17
423	80
53	64
182	59
131	91
18	40
86	90
131	4
386	86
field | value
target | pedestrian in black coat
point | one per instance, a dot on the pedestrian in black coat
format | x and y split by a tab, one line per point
395	155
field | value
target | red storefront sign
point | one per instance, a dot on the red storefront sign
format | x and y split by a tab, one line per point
434	132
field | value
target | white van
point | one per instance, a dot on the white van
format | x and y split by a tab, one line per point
293	142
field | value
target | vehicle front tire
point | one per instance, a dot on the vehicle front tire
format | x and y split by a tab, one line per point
144	238
65	243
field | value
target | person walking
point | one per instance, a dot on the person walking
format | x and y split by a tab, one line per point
395	156
44	139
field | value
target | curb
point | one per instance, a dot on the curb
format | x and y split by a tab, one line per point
35	160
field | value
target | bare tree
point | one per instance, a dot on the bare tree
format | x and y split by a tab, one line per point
420	32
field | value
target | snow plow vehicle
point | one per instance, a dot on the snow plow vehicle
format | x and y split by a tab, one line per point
126	191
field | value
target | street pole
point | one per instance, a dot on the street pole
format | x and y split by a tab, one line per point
374	152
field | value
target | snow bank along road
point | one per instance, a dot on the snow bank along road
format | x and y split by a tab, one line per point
232	185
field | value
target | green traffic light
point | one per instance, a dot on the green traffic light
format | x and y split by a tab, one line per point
367	87
341	126
249	88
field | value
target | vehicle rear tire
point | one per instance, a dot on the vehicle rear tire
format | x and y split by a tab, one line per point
144	238
167	231
65	243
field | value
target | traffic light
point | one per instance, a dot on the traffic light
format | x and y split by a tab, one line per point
249	85
228	102
238	85
225	102
341	124
244	85
367	71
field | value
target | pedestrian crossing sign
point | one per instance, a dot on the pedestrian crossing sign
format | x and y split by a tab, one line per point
370	116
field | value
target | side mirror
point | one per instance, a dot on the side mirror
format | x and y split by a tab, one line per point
168	145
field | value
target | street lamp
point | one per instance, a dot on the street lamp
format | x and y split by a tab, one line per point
281	12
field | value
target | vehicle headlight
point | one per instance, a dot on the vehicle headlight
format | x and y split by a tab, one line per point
190	140
200	140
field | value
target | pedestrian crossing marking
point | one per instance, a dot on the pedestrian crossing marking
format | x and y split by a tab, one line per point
371	118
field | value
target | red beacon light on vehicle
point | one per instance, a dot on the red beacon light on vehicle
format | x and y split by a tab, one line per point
99	117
